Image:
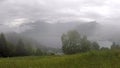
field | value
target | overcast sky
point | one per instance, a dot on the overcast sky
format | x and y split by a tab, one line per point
13	13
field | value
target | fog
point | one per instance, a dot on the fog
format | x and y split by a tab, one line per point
46	20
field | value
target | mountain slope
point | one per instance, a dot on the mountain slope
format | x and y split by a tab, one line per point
50	34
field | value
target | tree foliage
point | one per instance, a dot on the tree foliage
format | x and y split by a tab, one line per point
115	46
20	48
7	49
95	46
73	43
38	52
70	42
4	50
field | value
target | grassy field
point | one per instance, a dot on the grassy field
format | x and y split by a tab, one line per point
103	59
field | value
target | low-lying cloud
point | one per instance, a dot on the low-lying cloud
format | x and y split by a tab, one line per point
52	11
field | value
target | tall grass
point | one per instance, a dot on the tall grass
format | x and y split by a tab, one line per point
93	59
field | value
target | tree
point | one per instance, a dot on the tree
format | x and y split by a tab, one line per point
11	49
7	49
38	52
85	44
104	48
73	43
4	50
29	49
115	46
20	49
95	46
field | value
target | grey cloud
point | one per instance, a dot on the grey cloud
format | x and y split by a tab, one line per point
57	10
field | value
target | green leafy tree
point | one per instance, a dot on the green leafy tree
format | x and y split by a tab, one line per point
71	42
95	46
85	44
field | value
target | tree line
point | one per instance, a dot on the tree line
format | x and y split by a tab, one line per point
8	49
73	43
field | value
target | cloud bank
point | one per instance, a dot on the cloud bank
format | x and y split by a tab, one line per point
52	11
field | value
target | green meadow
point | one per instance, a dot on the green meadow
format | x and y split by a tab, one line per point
99	59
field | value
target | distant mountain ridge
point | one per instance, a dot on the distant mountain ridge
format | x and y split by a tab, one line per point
50	34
